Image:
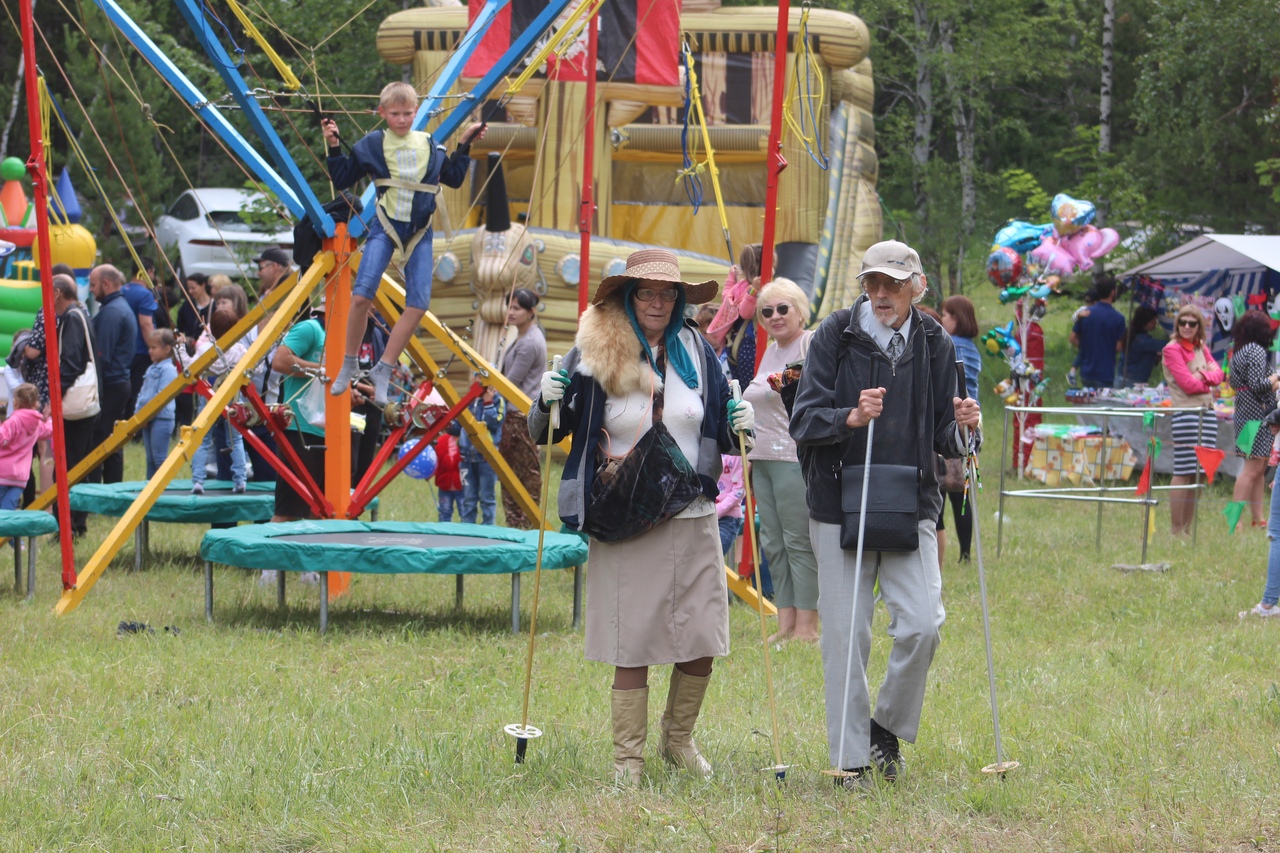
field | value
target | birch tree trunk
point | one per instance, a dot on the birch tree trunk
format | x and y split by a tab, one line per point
924	104
1104	100
963	118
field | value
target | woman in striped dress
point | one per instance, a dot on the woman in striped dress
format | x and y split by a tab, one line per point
1256	386
1192	374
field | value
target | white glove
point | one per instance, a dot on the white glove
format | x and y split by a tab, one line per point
742	416
554	384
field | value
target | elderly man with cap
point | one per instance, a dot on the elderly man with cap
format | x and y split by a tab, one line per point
882	361
649	413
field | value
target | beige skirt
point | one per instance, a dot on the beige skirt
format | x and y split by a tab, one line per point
660	597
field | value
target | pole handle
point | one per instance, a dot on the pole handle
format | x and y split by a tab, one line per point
736	388
555	407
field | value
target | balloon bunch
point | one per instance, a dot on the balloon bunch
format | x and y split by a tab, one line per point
1068	244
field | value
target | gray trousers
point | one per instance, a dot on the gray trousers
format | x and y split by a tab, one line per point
911	587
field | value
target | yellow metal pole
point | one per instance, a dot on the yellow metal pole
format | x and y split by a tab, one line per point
190	437
126	429
479	434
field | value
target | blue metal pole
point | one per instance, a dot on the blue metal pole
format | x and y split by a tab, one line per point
310	205
208	113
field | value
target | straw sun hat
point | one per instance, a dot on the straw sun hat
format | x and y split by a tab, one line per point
660	266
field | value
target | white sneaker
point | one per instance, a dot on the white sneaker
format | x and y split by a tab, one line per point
268	577
309	577
1265	611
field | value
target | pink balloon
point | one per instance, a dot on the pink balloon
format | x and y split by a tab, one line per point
1080	245
1053	257
1108	240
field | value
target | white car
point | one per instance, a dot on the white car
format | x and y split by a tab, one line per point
204	232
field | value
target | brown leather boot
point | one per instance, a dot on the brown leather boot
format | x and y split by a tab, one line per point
684	701
630	729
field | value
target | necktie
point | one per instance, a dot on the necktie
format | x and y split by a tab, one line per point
896	345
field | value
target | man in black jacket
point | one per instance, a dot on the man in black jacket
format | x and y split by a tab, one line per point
115	330
880	361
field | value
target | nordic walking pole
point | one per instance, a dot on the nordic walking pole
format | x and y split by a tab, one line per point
522	731
779	769
1001	766
857	583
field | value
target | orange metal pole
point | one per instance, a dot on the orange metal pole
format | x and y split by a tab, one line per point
337	410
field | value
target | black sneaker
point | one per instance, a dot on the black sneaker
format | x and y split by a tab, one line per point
859	779
884	751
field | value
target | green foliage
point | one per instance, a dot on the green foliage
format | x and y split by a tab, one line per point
1269	175
1021	184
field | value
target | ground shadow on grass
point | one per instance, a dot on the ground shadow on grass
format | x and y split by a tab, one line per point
304	615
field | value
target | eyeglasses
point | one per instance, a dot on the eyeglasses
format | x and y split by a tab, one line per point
888	285
1189	324
648	294
781	309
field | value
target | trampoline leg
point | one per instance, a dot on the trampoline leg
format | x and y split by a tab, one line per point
137	548
145	527
457	592
31	567
515	602
280	588
577	597
324	602
17	565
208	591
373	514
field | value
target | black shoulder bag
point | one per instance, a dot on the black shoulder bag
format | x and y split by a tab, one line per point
632	494
893	502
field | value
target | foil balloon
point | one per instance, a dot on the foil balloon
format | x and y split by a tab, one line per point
1079	244
1020	236
1004	266
1053	258
1108	239
423	465
1070	215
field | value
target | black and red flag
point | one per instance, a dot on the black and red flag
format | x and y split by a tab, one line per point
639	41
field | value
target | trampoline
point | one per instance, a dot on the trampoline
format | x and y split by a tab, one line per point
178	505
392	547
19	524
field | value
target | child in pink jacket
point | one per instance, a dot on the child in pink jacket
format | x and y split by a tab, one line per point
729	503
18	437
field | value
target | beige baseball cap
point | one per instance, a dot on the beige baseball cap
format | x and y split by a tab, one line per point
894	259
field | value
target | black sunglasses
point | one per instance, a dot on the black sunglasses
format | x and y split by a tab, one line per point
1189	324
782	311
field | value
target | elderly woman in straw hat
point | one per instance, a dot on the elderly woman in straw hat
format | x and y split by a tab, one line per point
649	413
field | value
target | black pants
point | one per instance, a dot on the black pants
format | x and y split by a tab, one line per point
78	436
262	470
964	522
184	406
114	400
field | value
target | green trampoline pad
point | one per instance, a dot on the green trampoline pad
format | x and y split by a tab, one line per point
26	522
178	506
390	547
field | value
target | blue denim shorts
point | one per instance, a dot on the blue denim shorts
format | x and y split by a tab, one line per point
378	248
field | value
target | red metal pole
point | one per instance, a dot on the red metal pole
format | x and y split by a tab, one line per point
773	167
39	183
776	162
585	213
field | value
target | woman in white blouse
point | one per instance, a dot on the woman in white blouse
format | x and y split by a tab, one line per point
778	485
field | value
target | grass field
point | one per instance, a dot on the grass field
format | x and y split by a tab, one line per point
1145	713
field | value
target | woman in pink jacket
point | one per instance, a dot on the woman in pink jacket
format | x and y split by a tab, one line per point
18	436
1192	375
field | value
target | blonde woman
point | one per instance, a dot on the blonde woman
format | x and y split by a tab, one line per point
777	483
1192	375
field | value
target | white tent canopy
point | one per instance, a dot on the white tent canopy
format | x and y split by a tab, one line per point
1231	253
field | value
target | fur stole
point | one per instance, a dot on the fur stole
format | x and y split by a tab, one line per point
611	352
